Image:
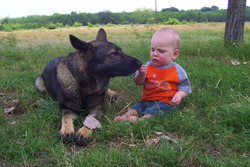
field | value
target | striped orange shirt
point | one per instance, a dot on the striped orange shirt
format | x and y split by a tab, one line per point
163	82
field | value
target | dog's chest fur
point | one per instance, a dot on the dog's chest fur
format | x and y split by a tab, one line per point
85	90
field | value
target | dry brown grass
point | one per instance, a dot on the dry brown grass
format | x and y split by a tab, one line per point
86	33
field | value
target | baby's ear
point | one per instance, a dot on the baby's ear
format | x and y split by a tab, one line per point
176	53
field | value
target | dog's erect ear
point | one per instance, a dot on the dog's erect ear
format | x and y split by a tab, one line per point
79	44
102	36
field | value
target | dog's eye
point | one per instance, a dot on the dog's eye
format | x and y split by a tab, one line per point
114	57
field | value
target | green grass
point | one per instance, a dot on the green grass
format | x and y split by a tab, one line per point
212	126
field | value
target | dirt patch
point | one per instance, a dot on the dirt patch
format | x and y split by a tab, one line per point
11	105
74	148
213	150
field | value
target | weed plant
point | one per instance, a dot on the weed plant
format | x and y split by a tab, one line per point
212	127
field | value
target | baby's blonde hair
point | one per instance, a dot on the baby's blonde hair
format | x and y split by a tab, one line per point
176	36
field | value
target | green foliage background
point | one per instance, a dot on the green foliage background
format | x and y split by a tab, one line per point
139	16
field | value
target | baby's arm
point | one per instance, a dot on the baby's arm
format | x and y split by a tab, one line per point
140	77
178	97
183	87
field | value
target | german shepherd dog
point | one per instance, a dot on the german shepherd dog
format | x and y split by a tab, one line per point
80	80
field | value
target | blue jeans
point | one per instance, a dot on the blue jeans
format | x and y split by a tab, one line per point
154	108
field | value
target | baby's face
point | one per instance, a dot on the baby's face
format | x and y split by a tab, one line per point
162	50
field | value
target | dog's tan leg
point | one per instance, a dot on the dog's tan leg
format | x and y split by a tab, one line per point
112	95
90	123
67	129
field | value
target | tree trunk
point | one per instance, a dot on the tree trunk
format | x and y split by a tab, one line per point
234	30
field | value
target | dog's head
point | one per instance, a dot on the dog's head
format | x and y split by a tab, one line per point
105	58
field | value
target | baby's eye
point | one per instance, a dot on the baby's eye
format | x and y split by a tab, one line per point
161	51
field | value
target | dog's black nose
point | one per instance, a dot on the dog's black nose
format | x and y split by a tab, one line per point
139	63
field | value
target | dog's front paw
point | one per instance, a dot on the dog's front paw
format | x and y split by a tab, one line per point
66	134
114	98
83	136
112	95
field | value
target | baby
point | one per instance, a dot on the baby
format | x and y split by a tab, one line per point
165	83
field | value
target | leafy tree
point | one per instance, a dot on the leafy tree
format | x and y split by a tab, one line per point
214	8
171	21
51	26
171	9
190	15
34	25
90	25
59	24
125	18
77	24
106	17
93	18
4	21
144	16
205	9
247	15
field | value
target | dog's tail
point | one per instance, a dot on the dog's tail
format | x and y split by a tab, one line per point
39	82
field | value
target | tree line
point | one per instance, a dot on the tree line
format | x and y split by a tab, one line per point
139	16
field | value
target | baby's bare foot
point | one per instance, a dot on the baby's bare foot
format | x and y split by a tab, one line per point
133	119
121	118
117	118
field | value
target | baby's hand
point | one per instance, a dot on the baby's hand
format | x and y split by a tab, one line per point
176	99
143	70
140	77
